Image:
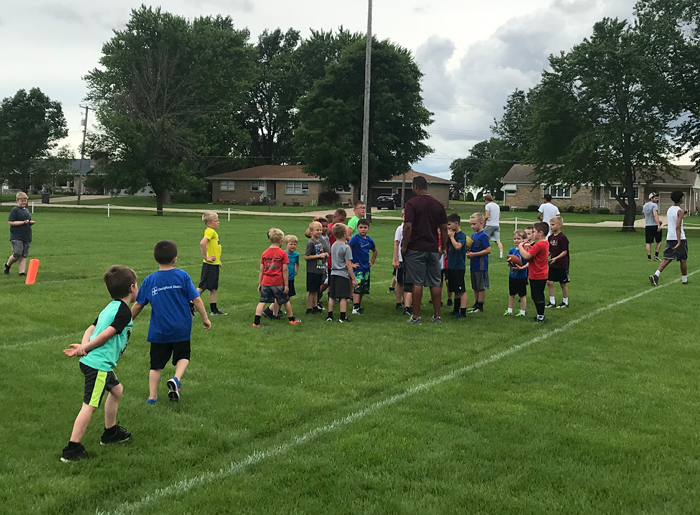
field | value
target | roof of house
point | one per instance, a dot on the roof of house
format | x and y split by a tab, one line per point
524	174
291	172
75	165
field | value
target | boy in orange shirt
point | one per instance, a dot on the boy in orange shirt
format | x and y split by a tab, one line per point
537	255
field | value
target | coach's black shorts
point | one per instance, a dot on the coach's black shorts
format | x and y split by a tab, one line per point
455	280
96	382
517	287
161	352
652	234
558	275
680	254
209	280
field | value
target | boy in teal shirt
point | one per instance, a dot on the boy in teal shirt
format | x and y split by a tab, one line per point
102	345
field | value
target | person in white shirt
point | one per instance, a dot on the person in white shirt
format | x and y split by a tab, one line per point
652	229
547	210
676	244
492	227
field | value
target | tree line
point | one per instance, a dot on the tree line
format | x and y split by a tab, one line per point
177	100
614	110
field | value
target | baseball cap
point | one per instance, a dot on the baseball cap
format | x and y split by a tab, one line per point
652	195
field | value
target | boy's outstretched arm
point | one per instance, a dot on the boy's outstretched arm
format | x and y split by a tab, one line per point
81	349
202	312
135	310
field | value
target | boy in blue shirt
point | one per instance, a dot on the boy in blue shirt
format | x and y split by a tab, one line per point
169	291
456	265
478	257
517	277
361	244
101	347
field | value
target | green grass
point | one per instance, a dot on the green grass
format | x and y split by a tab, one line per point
599	417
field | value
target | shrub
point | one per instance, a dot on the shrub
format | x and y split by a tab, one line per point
603	211
505	208
532	208
470	197
570	209
328	198
584	210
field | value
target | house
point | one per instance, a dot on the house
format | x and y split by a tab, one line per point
522	190
289	185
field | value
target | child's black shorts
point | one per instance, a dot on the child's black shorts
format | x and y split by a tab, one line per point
292	291
401	279
96	382
558	275
339	287
517	287
314	282
209	280
455	280
161	352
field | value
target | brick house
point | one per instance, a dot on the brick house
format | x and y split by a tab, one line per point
289	185
521	190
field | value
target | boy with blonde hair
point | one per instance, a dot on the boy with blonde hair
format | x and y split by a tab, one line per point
291	243
316	267
517	278
538	273
558	262
273	279
342	278
478	257
211	264
20	222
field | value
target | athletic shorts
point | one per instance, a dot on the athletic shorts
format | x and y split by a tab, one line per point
517	287
680	254
96	382
339	287
273	294
314	282
209	280
652	234
401	279
292	290
493	232
558	275
422	268
480	280
363	280
537	290
161	352
19	248
455	280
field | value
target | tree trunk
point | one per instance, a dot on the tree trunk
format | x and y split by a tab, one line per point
630	214
159	204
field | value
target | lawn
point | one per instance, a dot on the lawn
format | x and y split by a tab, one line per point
593	412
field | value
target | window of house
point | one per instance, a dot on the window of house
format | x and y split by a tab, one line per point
346	190
297	188
620	190
257	185
559	191
227	186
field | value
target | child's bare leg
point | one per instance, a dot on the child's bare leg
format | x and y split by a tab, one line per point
180	368
407	299
212	296
511	301
153	380
331	304
287	309
523	303
112	405
12	260
81	422
259	309
312	300
684	267
565	290
343	305
550	288
22	265
275	308
482	296
398	291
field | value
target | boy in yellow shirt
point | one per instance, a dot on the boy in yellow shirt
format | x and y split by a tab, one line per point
211	252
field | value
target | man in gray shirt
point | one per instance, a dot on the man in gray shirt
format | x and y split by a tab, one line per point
652	229
493	222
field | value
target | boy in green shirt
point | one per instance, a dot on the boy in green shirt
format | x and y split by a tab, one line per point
102	345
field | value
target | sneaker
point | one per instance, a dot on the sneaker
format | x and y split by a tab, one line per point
267	313
519	314
6	271
329	319
654	280
408	311
538	320
649	259
685	283
391	290
356	311
399	307
414	320
79	453
316	311
174	388
258	325
562	305
151	401
120	435
551	305
657	258
459	316
449	303
508	313
344	320
475	310
218	312
437	320
319	306
295	321
22	274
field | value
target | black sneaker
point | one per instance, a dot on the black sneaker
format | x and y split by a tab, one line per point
685	283
267	313
449	303
391	290
537	320
344	320
551	305
657	258
218	313
79	453
120	435
654	280
408	310
6	271
329	319
562	305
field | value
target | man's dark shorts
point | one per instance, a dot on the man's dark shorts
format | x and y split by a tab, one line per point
680	254
96	382
455	280
161	352
422	268
517	287
558	275
652	234
209	280
273	294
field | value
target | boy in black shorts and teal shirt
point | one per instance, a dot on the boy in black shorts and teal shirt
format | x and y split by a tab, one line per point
169	291
102	345
456	265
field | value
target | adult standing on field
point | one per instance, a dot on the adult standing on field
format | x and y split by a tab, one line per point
652	229
547	210
676	244
493	221
424	215
20	221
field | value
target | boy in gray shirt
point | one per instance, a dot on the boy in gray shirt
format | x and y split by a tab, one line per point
342	279
652	229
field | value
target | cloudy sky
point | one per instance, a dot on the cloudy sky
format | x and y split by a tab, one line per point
473	53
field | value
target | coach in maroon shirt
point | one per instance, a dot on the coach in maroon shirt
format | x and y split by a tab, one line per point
423	216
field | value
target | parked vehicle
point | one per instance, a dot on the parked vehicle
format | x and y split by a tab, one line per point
386	201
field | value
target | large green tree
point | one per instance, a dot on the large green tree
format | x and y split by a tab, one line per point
599	117
488	161
169	95
329	137
31	124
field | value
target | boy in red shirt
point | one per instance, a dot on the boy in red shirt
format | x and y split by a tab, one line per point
537	255
274	278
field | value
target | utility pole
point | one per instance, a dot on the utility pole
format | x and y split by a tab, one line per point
82	154
365	122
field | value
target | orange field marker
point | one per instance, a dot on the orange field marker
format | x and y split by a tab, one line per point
32	271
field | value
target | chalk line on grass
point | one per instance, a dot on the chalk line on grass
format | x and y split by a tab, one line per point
256	457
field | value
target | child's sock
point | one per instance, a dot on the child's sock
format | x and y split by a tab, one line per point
463	311
656	254
456	307
510	310
649	256
257	319
330	315
343	316
522	312
213	307
355	306
552	300
657	273
684	278
566	300
291	319
501	255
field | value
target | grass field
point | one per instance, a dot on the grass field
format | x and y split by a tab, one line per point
593	412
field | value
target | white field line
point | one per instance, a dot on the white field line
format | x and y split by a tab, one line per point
256	457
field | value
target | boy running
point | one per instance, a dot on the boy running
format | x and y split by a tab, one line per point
676	244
